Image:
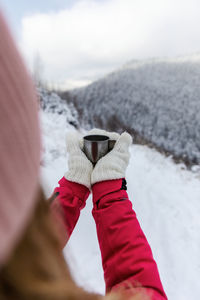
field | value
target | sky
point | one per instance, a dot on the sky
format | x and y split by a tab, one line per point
74	42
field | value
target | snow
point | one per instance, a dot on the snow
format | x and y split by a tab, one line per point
166	198
159	99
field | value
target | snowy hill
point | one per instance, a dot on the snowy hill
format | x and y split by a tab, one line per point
51	103
156	100
165	197
55	113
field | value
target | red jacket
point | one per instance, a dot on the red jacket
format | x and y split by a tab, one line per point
126	255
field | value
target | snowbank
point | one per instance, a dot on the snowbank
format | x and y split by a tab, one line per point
166	199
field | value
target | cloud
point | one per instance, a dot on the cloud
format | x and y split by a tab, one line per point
92	38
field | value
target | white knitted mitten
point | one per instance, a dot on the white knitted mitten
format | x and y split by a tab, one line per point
79	166
113	165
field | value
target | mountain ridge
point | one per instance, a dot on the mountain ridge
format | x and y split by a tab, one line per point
156	100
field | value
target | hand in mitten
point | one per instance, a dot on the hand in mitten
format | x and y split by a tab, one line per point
113	165
79	166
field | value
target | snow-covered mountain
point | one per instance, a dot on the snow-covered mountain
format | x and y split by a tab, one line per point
55	112
165	197
157	100
50	102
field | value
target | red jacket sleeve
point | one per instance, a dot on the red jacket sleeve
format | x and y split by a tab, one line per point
67	201
126	255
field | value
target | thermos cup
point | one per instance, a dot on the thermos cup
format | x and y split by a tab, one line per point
96	146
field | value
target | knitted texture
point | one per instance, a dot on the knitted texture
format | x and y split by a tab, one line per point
79	166
19	145
113	165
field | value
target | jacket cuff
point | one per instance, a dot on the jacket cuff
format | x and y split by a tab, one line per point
103	188
80	190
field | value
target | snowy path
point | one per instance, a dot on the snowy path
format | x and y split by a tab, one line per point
166	199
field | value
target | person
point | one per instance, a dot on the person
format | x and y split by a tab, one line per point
33	230
127	258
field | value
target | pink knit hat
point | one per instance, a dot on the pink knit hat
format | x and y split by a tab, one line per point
19	145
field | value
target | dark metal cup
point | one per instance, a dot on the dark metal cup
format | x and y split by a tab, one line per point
96	146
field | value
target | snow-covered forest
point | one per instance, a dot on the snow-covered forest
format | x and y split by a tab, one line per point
156	100
164	195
